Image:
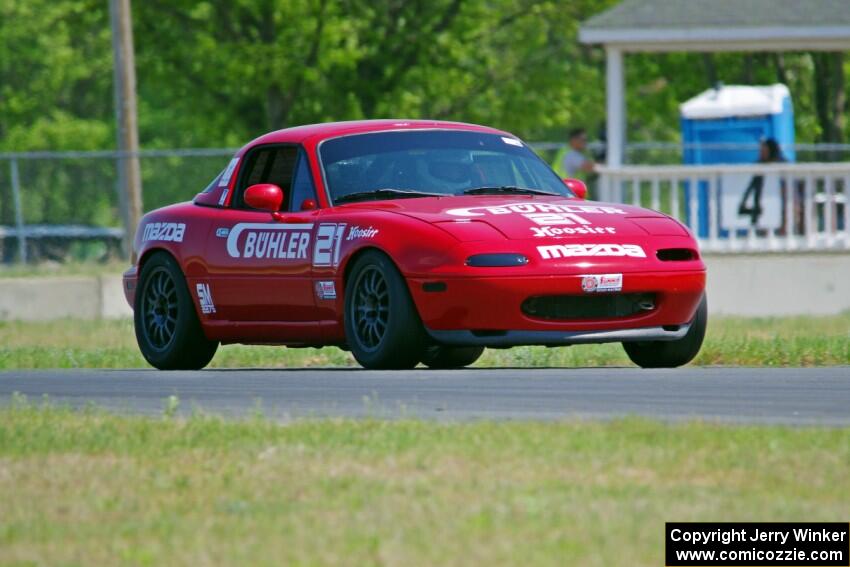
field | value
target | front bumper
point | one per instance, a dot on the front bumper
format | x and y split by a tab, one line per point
130	281
483	306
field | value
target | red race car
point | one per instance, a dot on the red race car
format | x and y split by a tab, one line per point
407	242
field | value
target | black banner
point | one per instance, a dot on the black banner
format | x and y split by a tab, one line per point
693	544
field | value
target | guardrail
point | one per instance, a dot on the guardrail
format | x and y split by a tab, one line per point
744	208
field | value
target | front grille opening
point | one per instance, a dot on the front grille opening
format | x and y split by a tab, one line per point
676	254
671	328
577	307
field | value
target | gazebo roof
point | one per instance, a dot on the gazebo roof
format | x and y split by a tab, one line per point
722	25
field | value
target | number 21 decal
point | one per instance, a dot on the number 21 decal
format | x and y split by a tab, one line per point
328	239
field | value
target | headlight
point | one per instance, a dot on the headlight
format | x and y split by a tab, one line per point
496	260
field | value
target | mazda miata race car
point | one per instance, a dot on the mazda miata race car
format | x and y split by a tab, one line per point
407	242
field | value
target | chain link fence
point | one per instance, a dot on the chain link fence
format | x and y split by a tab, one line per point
66	206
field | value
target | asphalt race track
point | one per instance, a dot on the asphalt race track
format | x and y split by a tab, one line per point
798	396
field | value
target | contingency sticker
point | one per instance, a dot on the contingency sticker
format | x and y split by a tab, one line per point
602	283
228	173
512	141
325	290
225	180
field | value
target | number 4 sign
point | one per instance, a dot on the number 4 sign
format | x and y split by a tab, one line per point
747	203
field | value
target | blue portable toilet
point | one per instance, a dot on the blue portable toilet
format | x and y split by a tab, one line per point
737	115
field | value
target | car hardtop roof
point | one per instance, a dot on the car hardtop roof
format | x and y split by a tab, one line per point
318	132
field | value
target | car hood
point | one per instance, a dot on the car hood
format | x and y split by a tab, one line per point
518	217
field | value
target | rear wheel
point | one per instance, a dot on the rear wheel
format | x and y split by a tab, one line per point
670	354
439	356
382	327
167	328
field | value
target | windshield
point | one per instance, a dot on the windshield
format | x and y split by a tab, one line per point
388	165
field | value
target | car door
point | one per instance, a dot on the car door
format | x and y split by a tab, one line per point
260	263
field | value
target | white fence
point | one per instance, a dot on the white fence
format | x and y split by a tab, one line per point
744	208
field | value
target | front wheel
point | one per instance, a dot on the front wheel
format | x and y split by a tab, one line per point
382	327
670	354
167	327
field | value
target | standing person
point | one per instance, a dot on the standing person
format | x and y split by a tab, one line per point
575	161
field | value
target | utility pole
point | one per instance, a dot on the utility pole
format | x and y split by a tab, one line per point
129	172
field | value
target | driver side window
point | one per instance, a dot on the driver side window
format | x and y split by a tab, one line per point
269	164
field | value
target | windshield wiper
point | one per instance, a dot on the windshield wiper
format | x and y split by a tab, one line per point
387	193
496	190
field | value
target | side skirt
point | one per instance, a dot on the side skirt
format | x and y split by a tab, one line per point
555	338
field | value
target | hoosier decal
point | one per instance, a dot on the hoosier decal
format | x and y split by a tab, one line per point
356	232
568	231
263	240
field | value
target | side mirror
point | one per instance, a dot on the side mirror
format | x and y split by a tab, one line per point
264	196
577	186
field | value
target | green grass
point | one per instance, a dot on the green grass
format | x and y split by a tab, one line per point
791	341
93	489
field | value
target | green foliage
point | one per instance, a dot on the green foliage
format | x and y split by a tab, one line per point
55	75
252	66
216	73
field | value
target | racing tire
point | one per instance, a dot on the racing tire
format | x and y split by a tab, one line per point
445	357
168	331
670	354
382	327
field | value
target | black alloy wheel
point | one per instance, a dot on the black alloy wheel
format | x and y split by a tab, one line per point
382	327
371	307
168	331
159	308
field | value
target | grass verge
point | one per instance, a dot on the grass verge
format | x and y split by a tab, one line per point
87	488
787	341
